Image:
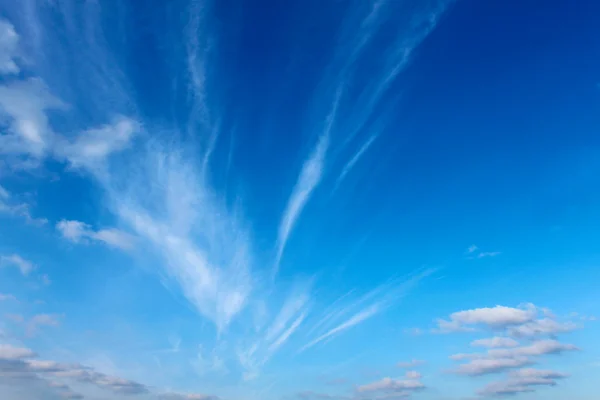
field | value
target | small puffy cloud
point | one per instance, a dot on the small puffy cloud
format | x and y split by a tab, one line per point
114	384
544	326
497	360
527	373
17	261
77	231
472	249
8	352
497	317
537	348
391	385
522	381
410	364
491	365
22	363
495	342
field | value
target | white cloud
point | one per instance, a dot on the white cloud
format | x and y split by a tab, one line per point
77	231
17	261
11	206
497	360
496	317
91	147
8	352
545	326
350	164
203	246
537	348
112	383
522	381
309	178
491	365
349	323
9	40
495	342
389	384
25	104
410	364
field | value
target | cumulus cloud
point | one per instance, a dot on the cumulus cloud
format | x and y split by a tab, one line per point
537	348
497	360
522	381
8	352
77	231
15	260
391	385
491	365
497	317
544	326
495	342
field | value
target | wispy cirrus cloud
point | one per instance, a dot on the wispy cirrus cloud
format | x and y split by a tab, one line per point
9	41
377	300
352	162
362	25
309	178
77	231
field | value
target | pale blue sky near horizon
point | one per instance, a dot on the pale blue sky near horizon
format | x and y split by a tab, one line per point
311	200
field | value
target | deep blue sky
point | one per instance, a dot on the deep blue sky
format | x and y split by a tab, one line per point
307	200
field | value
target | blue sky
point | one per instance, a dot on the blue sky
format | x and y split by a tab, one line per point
309	200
